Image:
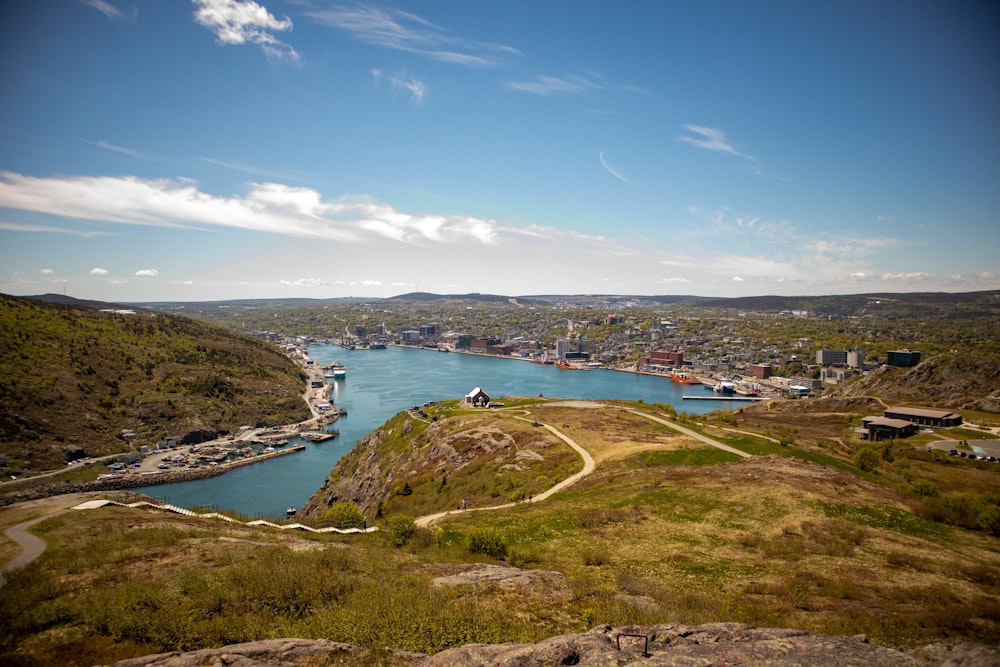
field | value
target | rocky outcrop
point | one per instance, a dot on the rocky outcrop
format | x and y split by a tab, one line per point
717	644
955	380
505	577
382	463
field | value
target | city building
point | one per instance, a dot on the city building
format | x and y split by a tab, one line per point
855	359
835	375
903	358
760	371
825	357
884	428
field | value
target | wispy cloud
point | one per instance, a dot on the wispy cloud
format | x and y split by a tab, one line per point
245	22
400	83
47	229
147	273
98	271
714	139
236	165
723	222
709	138
546	85
116	149
611	170
848	247
404	31
105	8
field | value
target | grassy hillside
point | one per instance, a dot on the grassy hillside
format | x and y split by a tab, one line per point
72	378
665	530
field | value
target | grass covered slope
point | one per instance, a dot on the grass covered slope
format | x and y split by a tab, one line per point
666	529
72	378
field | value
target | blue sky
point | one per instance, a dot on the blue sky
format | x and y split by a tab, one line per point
220	149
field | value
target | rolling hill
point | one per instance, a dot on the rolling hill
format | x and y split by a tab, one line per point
78	380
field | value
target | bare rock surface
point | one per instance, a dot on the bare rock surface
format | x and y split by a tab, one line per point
716	644
502	575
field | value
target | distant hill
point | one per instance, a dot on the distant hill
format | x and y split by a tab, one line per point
72	378
63	300
883	303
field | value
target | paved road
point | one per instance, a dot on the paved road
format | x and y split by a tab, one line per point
31	545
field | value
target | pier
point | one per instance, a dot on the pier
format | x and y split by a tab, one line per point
725	398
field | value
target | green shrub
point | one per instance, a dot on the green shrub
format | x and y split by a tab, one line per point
400	529
924	488
867	459
487	541
344	515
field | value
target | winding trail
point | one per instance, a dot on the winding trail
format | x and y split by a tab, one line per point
588	467
31	545
588	464
694	434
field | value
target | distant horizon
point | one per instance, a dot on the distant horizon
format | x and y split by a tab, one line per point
679	297
229	149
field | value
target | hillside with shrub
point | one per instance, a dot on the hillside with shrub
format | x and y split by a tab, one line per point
78	381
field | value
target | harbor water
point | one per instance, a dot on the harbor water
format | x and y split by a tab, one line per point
379	384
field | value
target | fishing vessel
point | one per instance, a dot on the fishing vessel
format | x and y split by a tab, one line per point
683	378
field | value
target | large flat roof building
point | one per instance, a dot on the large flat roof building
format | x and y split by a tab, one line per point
925	417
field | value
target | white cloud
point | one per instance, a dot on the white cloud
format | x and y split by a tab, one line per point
737	279
310	282
97	271
46	272
916	276
269	208
243	22
611	170
404	31
399	83
147	273
546	85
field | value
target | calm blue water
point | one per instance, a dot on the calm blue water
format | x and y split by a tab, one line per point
381	383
